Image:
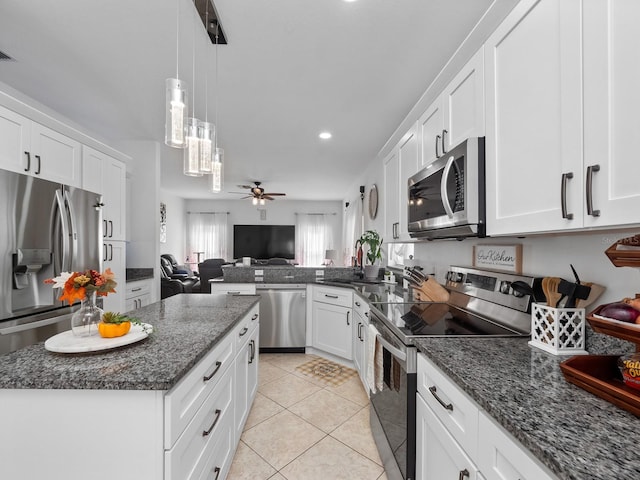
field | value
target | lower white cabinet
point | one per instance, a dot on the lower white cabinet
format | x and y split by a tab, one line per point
138	294
360	327
438	455
246	368
456	439
332	321
233	288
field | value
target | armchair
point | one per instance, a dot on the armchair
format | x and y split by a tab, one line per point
189	283
210	268
177	268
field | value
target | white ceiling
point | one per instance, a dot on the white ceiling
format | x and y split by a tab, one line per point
292	68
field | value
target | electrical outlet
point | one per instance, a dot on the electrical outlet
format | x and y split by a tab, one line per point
259	273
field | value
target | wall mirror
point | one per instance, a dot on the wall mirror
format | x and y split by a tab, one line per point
373	202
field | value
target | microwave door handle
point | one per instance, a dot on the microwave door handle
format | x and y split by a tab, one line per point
443	186
73	231
62	218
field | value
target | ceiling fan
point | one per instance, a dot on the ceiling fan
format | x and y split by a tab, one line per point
258	194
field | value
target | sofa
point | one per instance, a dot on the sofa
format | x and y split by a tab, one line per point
172	283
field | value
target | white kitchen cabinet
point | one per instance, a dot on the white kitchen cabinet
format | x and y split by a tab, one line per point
332	321
33	149
233	288
360	326
533	119
246	367
438	456
138	294
457	113
92	162
401	164
611	106
114	257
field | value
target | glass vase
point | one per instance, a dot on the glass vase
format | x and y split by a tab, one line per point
84	322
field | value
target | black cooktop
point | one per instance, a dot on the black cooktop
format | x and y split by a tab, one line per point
413	319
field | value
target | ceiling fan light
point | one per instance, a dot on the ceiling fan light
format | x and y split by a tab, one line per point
191	156
254	200
262	202
176	113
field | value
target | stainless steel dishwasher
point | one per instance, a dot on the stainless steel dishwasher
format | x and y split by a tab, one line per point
283	317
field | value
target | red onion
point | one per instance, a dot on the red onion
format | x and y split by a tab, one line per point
620	311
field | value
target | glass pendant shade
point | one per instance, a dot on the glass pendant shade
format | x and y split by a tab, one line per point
192	152
206	132
176	113
216	175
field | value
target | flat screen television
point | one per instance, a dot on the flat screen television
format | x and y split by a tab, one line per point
264	241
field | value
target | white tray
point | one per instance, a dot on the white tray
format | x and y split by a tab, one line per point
67	342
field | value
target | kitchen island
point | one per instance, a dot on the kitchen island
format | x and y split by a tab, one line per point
135	411
575	434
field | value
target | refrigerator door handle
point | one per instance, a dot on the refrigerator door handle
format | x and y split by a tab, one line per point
63	221
73	231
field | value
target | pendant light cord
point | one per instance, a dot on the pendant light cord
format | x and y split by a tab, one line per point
193	53
177	37
217	88
206	70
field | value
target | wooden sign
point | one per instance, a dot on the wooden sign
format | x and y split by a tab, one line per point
498	257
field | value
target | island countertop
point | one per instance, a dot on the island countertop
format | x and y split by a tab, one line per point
575	434
185	328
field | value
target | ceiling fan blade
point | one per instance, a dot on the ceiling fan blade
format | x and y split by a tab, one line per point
267	197
246	186
275	194
239	193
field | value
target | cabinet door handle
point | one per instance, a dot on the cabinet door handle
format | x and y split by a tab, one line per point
360	332
104	252
563	195
357	304
366	314
463	473
437	138
255	317
252	346
136	289
348	312
110	251
206	378
37	172
28	154
234	293
217	472
330	296
243	332
104	228
215	420
111	229
444	132
590	210
433	391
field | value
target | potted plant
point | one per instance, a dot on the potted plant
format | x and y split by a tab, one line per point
372	240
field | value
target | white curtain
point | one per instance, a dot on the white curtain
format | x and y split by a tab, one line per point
314	235
350	233
207	232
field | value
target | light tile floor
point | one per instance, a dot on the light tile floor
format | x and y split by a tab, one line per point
301	429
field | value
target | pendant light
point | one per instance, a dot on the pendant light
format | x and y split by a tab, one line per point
206	130
218	153
191	157
176	100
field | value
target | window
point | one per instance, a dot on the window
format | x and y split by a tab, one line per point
207	233
314	236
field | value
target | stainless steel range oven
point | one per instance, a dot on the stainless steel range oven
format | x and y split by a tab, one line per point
481	303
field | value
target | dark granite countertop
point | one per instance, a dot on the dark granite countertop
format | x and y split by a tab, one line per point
185	326
576	434
134	274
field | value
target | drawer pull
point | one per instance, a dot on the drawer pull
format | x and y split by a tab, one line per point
234	293
206	378
243	332
217	472
215	420
136	289
357	304
447	406
254	317
463	473
330	296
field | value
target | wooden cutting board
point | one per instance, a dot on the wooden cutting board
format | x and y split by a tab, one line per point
431	291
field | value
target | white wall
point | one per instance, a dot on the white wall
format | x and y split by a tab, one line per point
278	212
176	226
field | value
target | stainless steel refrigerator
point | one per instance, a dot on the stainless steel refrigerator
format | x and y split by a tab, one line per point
45	228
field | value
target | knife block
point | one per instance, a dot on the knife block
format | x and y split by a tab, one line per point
560	331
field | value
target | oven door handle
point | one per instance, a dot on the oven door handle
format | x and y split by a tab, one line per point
399	354
443	186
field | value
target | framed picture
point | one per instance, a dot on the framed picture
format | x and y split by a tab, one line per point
163	223
498	257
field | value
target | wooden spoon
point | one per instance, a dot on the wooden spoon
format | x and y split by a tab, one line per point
553	296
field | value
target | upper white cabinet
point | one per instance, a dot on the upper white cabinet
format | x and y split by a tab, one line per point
401	164
611	106
108	176
33	149
457	114
562	108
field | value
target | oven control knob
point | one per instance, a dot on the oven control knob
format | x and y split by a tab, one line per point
517	294
455	277
505	287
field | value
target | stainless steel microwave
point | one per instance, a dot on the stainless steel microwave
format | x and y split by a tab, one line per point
447	197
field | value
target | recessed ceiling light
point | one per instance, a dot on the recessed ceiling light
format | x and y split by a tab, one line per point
325	135
349	1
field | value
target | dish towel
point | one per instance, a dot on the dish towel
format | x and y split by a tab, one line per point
374	364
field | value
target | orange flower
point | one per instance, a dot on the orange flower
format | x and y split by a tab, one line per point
77	285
